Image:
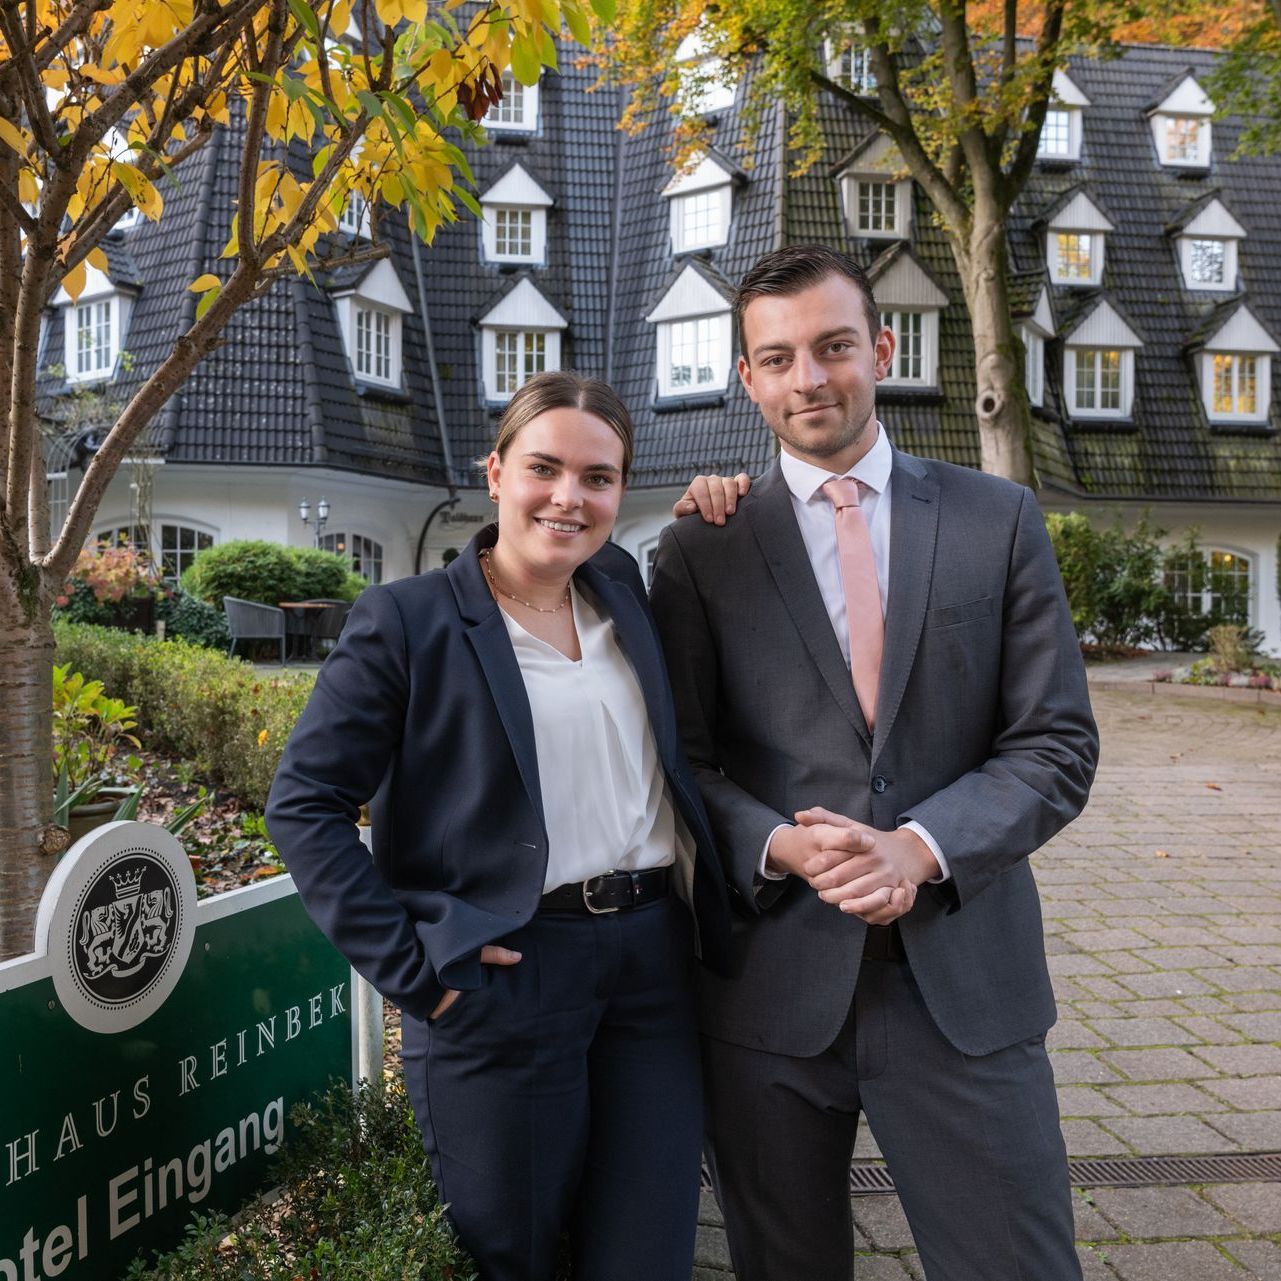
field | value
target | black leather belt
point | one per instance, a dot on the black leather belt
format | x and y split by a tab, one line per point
884	943
613	892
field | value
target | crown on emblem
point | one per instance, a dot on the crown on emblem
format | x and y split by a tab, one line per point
127	884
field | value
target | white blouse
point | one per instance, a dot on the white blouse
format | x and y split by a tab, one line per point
604	794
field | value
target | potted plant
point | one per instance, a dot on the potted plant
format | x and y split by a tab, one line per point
113	587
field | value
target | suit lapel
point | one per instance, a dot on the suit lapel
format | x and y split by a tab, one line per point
637	640
914	516
487	634
779	537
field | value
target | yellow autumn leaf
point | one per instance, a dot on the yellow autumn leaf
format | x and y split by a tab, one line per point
28	187
97	259
13	137
74	281
205	282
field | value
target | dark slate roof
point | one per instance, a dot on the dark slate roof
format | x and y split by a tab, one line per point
280	390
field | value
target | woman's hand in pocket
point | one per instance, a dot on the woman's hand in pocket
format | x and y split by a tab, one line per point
490	954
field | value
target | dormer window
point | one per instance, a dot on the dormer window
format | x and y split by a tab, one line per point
1034	331
850	65
514	228
520	337
910	304
1235	368
692	323
1098	366
1061	132
354	220
1181	126
370	318
1208	247
518	110
1074	242
878	203
704	86
94	325
701	203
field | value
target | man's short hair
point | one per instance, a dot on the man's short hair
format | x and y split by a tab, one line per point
798	267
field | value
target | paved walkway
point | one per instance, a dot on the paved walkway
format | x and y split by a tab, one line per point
1163	922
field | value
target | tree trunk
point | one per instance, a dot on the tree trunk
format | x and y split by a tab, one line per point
26	790
1001	404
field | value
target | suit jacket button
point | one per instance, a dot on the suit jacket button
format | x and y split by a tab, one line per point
879	784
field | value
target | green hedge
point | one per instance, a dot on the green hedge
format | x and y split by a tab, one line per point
254	569
358	1203
220	713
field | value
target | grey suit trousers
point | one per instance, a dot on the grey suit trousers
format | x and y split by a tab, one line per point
973	1143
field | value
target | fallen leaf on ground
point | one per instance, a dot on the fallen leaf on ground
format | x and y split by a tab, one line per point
1214	787
1162	853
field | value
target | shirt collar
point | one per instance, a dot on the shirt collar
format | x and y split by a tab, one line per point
806	481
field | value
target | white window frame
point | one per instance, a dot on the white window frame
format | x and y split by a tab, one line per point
526	339
1228	283
1097	242
850	65
537	233
115	308
1163	126
929	336
702	91
1033	365
852	187
354	219
381	293
712	328
523	121
1262	385
363	550
1071	357
718	201
1073	120
368	319
1204	601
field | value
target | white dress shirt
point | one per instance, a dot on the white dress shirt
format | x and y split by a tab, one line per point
604	793
815	516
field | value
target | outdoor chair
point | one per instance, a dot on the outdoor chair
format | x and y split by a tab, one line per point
249	620
327	625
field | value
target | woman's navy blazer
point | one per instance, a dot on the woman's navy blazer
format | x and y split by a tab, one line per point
421	711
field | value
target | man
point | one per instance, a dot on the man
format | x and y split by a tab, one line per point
876	785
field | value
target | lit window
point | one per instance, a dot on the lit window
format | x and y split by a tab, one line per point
517	358
365	554
1100	381
1074	256
915	341
693	355
513	233
518	109
95	351
374	343
1237	385
1216	583
1183	139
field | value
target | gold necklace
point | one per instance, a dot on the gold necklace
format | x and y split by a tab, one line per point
538	609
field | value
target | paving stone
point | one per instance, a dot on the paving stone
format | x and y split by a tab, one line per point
1082	1100
879	1267
1087	1138
1246	978
1258	1027
1260	954
1073	965
1145	1007
1140	1032
1183	935
1242	1060
708	1211
1105	989
1090	1224
1161	1212
1072	1034
881	1221
1182	958
1159	1100
1111	940
1207	1005
866	1147
1255	1094
711	1249
1093	1267
1172	1261
1256	1206
1160	1065
1096	1009
1161	983
1125	962
1211	1031
1262	1258
1254	1131
1076	1067
1162	1135
1256	1000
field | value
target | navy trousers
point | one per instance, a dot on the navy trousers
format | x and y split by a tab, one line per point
565	1096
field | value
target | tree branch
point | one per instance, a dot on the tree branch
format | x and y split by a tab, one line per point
255	131
32	90
1047	49
955	43
38	508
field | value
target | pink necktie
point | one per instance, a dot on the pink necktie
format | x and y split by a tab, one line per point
863	613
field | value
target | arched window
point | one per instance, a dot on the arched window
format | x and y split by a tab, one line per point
177	547
366	555
1218	583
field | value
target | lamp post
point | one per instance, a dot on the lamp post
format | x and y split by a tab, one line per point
319	520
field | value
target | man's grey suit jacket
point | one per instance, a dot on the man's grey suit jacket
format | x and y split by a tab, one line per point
984	735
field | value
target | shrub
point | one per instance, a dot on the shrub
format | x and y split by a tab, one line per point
187	617
357	1201
269	573
1076	548
194	703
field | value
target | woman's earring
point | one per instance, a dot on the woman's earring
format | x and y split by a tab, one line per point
493	495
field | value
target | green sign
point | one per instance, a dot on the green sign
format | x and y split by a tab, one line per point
150	1055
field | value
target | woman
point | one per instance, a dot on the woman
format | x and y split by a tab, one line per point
535	831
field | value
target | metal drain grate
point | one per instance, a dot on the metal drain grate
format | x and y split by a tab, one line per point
1125	1172
1115	1172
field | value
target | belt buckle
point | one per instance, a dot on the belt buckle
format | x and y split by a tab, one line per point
587	902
